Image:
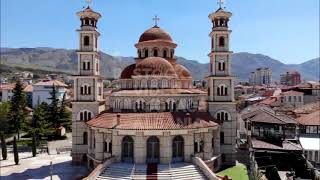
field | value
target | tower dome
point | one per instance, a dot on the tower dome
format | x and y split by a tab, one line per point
155	33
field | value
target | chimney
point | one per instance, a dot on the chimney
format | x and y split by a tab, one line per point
187	119
118	119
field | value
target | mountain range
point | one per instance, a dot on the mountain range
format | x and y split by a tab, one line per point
65	60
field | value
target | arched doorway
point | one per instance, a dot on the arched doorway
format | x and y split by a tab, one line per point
177	149
153	150
127	149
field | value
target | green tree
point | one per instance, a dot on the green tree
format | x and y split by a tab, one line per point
64	114
18	104
15	150
3	147
4	118
54	109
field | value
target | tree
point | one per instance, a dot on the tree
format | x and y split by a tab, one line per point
15	151
3	147
64	114
4	115
53	109
18	104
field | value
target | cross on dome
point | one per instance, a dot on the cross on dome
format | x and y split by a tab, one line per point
220	2
156	19
89	2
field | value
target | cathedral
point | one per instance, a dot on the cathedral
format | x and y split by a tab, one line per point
155	115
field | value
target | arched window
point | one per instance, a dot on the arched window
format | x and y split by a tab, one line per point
144	83
221	41
155	52
222	90
127	149
154	83
223	116
84	65
86	41
85	138
85	115
88	65
177	149
146	53
221	66
86	21
165	83
165	53
172	53
85	89
139	53
153	150
140	104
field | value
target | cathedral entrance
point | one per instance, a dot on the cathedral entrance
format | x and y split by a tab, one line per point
153	150
127	149
177	149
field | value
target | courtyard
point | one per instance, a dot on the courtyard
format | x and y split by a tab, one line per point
39	167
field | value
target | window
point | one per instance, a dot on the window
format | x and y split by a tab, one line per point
221	137
97	67
86	41
289	98
198	146
221	41
221	66
85	115
172	53
85	89
85	138
146	53
312	129
299	99
100	91
223	116
165	53
139	53
222	90
155	52
88	65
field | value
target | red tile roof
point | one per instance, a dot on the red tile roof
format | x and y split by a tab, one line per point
286	145
288	93
310	119
152	121
7	86
50	83
266	116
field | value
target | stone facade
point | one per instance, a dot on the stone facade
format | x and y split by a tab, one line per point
221	103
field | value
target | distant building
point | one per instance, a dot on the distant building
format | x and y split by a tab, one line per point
310	136
292	99
261	76
6	92
291	78
41	91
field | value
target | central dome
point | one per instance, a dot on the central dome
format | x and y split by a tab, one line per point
155	33
154	66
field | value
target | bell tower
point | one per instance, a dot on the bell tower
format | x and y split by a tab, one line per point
88	99
221	103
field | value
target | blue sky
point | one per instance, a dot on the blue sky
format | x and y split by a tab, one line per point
287	30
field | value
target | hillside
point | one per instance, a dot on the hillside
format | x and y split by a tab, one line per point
51	59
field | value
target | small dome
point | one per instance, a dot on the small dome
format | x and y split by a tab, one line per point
128	72
181	71
155	33
154	66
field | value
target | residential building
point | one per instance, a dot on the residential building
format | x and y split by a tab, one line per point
292	99
261	76
6	92
291	78
41	91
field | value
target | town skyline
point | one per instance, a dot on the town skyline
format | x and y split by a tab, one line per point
118	41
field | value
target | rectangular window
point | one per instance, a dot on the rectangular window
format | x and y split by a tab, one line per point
100	91
221	137
316	156
300	99
289	98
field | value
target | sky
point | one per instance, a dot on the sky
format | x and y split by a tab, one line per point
286	30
